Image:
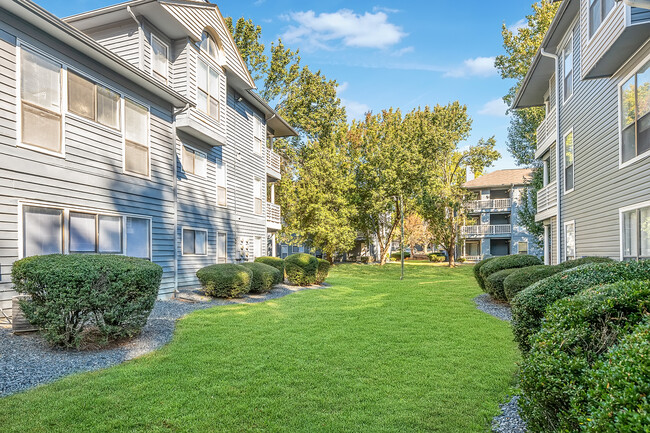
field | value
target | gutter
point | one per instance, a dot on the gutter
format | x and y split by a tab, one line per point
558	142
140	36
643	4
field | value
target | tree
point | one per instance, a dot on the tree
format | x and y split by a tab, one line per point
415	232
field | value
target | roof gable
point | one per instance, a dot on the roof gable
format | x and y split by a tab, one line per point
501	178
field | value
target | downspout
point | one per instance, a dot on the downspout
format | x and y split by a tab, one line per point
558	142
643	4
140	36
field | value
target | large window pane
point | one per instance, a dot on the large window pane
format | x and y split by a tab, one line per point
222	247
40	81
42	231
137	237
108	107
188	241
630	234
188	160
644	226
202	76
200	164
41	128
81	96
200	242
568	70
137	159
136	122
159	59
594	16
570	238
83	233
568	162
110	234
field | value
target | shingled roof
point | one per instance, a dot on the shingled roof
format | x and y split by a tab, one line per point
518	176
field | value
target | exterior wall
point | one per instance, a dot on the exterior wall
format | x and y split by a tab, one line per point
639	15
123	38
89	176
610	29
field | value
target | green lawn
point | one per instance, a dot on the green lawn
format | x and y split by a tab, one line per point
370	354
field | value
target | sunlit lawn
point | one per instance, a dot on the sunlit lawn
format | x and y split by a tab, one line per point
370	354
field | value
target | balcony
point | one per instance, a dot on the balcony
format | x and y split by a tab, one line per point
499	204
546	133
273	217
199	125
273	164
472	259
485	230
546	202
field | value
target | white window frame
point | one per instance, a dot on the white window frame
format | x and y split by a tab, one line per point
644	155
569	43
217	247
590	36
564	166
575	232
148	144
92	122
66	225
261	193
518	247
258	127
207	241
622	211
211	64
221	166
151	63
194	152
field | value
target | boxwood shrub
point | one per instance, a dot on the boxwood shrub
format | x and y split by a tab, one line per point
79	297
477	272
576	333
301	269
494	283
618	386
570	264
398	255
323	271
226	280
276	262
436	257
264	276
529	305
524	277
508	262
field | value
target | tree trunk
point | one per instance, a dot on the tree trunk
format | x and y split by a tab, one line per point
383	253
451	251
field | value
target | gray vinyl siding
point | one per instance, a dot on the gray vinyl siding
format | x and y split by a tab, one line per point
179	67
639	15
613	26
122	38
90	176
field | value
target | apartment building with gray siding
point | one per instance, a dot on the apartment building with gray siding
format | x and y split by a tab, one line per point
118	137
590	74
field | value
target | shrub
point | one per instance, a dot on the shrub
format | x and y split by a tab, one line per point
524	277
477	272
494	283
76	296
462	260
301	269
323	271
576	333
570	264
276	262
618	386
225	280
264	276
529	305
436	257
367	259
508	262
398	255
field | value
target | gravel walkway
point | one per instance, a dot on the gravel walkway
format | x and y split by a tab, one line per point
27	360
500	310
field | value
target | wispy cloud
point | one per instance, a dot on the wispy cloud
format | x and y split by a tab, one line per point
477	67
495	108
355	110
325	30
403	51
385	9
518	25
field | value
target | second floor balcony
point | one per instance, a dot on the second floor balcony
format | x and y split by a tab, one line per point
485	230
273	161
546	202
499	204
546	133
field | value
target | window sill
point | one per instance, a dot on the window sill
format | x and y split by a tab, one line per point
632	161
138	175
41	150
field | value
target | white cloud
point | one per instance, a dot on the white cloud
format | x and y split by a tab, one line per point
495	107
385	9
355	110
478	67
518	25
369	30
403	51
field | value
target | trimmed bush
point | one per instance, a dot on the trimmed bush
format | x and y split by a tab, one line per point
323	271
264	276
576	333
398	255
226	280
524	277
276	262
77	298
570	264
529	305
494	283
508	262
436	257
462	260
477	272
618	386
301	269
367	259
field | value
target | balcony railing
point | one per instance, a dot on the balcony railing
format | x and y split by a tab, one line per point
485	229
472	258
273	214
547	131
273	161
499	203
547	198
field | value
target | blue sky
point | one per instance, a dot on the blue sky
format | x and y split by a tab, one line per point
388	53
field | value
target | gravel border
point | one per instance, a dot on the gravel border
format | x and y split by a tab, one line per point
500	310
509	421
27	360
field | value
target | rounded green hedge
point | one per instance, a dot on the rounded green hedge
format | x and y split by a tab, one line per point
225	280
570	264
264	276
323	271
524	277
494	283
436	257
618	386
111	296
301	269
576	333
276	262
477	272
529	305
398	255
508	262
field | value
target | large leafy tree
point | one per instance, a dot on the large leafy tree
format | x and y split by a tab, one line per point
415	232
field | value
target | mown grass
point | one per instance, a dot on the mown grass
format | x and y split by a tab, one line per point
370	354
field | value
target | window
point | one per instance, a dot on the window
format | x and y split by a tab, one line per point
40	95
636	233
209	45
222	187
568	70
222	247
42	231
546	163
258	135
284	251
138	243
295	249
598	11
522	248
635	114
93	101
208	90
136	149
570	240
93	233
257	191
568	162
195	242
194	162
159	59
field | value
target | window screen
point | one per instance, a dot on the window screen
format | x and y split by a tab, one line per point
42	231
137	237
159	64
222	189
83	233
136	147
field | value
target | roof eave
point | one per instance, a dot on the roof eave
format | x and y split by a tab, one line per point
282	128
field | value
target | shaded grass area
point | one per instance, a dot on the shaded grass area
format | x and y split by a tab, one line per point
370	354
